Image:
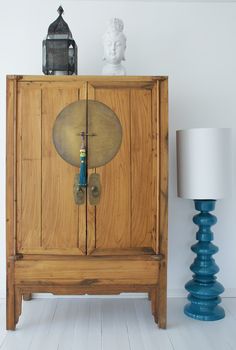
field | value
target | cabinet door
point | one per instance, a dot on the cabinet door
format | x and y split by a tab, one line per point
125	220
48	220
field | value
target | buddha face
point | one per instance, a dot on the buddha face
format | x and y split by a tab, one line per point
114	48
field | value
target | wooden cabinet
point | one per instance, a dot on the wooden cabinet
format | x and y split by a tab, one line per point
56	246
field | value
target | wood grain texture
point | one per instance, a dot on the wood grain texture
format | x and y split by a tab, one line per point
91	210
31	210
18	303
115	201
128	79
10	200
136	251
163	212
87	272
53	251
74	288
29	132
11	167
154	303
19	171
163	190
127	256
132	212
30	171
60	215
141	155
155	165
10	296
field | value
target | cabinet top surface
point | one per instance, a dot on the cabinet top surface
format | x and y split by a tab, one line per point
71	78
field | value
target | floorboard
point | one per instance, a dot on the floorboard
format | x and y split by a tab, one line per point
3	332
114	324
114	330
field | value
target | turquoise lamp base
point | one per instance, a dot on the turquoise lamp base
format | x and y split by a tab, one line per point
203	289
207	312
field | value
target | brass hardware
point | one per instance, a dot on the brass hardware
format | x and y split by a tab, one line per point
94	189
79	192
82	132
96	119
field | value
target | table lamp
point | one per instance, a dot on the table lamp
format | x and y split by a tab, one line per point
203	173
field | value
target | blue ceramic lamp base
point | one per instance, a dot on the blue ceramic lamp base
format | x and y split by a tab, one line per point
203	289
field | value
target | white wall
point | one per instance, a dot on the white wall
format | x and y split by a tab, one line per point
193	43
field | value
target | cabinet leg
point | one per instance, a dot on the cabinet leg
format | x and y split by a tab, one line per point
10	300
154	303
18	304
14	303
10	308
27	296
162	296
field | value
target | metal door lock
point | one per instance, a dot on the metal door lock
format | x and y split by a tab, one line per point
79	192
94	187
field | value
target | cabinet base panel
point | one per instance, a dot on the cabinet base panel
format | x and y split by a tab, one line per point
85	276
21	293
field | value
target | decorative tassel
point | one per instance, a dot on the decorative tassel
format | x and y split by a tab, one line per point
83	170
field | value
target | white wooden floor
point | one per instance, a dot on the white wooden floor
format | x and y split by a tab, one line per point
114	324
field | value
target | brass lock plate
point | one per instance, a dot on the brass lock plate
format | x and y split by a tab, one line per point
94	188
102	128
79	192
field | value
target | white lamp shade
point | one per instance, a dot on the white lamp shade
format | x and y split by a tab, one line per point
203	163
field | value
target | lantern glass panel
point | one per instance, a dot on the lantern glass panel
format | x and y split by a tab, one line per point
57	54
44	53
71	55
58	36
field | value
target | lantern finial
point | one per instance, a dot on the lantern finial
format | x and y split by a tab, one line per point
60	10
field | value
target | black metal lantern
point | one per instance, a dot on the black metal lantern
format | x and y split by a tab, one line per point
59	49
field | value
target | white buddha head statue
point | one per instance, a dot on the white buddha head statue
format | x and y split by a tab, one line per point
114	42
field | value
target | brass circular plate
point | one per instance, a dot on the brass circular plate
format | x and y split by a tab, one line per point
102	126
